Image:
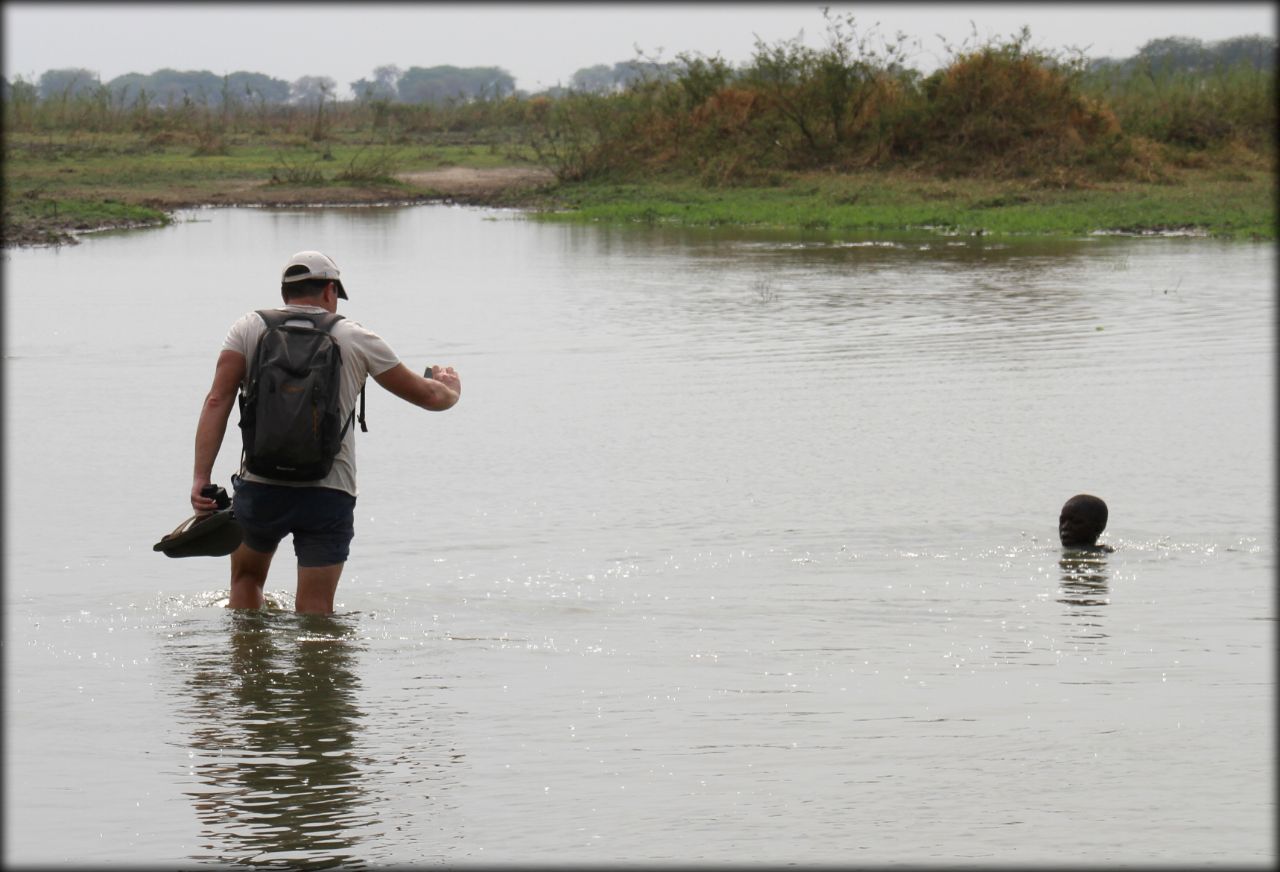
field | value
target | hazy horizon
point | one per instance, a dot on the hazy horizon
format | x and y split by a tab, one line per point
544	45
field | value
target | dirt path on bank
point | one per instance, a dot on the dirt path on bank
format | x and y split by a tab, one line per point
462	181
459	184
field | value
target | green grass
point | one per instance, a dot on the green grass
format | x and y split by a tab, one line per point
1232	205
47	220
161	164
54	183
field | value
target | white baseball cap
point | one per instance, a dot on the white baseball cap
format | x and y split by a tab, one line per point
317	266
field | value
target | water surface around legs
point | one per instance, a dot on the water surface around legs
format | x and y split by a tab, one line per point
739	547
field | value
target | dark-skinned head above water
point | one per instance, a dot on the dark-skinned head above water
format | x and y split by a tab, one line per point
1081	521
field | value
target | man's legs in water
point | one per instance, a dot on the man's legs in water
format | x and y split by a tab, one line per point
248	576
316	588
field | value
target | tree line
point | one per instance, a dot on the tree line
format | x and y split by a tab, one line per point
441	85
1184	54
169	88
1003	107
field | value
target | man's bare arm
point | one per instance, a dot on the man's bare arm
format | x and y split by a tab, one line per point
212	426
435	394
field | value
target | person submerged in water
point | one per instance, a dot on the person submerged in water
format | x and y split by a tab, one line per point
1081	522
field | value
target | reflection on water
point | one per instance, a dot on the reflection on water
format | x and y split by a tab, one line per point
1084	577
274	726
1084	591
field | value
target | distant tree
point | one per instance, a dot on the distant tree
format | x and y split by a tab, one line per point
628	73
311	90
606	79
449	84
1183	54
314	90
168	87
20	97
1175	53
130	86
383	85
1256	51
598	79
68	82
259	88
22	90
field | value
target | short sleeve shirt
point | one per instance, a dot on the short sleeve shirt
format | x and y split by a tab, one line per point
364	353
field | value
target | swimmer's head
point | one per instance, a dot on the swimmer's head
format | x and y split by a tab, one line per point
1082	520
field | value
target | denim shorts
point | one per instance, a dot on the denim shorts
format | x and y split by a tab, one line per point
321	519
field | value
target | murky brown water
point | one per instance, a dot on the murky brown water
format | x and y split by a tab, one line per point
738	548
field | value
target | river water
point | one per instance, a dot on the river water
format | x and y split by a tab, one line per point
740	547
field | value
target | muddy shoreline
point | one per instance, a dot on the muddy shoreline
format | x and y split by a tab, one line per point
499	186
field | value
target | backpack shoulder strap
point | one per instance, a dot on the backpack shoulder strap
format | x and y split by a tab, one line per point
272	317
327	321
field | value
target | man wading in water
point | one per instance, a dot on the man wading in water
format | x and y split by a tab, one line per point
318	512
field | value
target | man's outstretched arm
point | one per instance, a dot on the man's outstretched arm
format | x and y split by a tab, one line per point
435	394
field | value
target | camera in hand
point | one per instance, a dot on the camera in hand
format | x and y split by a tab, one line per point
218	494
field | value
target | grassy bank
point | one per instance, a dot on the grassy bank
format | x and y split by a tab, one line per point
1225	201
55	185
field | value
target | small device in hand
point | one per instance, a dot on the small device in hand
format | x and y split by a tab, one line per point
216	493
427	373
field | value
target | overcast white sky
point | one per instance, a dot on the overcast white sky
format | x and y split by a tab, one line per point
542	44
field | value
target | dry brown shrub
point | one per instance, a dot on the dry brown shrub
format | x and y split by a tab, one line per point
1092	119
538	107
1237	151
1005	113
1143	160
728	110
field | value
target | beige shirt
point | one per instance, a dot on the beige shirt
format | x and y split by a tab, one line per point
364	353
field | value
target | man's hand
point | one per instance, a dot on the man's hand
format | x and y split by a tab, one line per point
447	377
200	503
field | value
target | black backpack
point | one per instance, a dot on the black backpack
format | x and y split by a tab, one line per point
290	418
